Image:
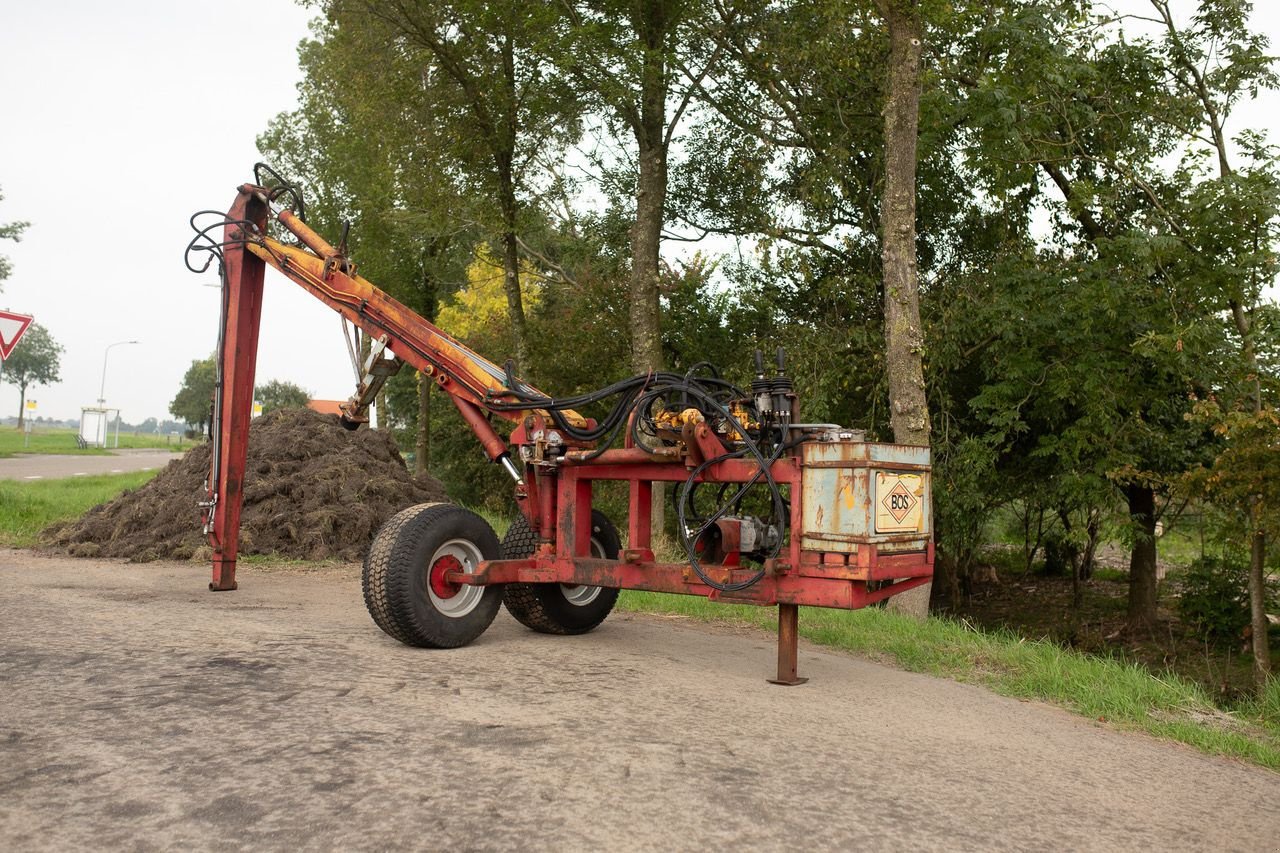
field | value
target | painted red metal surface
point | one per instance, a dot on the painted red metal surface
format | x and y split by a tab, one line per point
12	328
555	494
244	275
441	576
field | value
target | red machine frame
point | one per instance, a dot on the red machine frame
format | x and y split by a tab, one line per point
557	498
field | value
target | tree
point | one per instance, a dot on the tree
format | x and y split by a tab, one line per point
35	361
194	400
626	58
1244	479
1213	64
1103	339
904	339
278	394
416	191
497	106
820	172
903	335
9	231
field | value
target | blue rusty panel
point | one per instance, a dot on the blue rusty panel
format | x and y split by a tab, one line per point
859	492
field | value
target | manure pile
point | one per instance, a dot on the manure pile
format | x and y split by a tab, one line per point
313	491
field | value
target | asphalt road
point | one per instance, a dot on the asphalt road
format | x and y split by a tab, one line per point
55	467
139	711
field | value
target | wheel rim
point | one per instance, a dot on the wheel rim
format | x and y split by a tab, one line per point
454	600
577	594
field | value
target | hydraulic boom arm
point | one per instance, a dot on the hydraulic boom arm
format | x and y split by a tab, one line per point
470	380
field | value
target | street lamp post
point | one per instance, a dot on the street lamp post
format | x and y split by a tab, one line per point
102	391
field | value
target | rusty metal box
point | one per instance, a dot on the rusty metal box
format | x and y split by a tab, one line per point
858	492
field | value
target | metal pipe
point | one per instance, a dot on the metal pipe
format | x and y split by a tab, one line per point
788	646
493	444
309	238
623	456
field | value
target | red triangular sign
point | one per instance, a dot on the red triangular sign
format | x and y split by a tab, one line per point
12	326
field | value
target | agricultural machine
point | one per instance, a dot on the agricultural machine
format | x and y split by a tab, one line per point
770	510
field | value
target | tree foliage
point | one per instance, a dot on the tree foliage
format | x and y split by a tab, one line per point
498	109
639	65
194	401
9	231
36	360
1094	237
279	394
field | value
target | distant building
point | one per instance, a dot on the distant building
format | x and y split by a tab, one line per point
325	407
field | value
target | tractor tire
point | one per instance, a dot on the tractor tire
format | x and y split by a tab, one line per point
554	608
403	579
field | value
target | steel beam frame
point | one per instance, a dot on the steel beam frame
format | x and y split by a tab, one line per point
555	495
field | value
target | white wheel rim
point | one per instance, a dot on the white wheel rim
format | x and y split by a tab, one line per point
468	596
577	594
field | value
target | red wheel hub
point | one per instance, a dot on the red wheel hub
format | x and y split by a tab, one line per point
436	577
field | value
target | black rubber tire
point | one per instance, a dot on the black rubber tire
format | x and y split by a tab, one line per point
546	607
395	579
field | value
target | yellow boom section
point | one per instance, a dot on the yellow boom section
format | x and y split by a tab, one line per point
458	369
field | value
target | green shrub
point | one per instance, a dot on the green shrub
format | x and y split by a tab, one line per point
1215	598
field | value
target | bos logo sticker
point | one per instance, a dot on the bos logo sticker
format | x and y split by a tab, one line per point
899	502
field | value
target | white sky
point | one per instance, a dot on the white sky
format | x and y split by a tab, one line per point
117	122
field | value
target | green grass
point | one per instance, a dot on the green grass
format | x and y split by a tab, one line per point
1181	545
1123	694
58	441
1267	706
26	508
498	522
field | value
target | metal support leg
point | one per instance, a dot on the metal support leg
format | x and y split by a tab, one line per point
788	645
237	362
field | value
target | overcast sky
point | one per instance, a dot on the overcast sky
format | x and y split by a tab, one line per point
117	122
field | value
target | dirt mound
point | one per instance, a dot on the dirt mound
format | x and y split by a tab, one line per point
313	491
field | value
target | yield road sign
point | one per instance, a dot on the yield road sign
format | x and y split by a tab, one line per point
12	326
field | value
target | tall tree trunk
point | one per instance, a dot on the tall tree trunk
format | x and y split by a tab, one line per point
904	340
650	22
1257	597
22	406
511	273
510	207
1142	560
646	318
429	305
1258	538
646	235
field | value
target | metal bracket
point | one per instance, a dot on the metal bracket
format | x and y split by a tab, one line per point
374	374
208	506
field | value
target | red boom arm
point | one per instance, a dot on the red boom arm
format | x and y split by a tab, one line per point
468	378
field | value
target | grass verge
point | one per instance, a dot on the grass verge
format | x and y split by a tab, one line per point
63	441
26	508
1124	694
